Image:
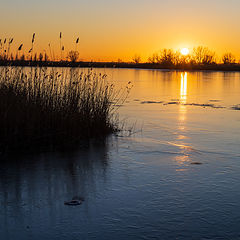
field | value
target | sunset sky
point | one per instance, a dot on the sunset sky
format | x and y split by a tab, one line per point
112	29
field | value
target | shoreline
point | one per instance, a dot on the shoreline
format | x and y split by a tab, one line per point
210	67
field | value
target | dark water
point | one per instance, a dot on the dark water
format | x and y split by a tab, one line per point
176	177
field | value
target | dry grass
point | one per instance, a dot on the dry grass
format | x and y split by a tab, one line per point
42	107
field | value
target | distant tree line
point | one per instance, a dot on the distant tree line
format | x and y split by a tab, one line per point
199	56
166	57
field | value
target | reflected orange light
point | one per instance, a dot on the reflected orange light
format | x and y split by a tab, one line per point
183	93
183	97
182	159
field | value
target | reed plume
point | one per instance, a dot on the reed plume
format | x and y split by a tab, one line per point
77	41
60	37
20	47
33	40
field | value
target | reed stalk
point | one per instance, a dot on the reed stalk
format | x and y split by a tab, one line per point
44	107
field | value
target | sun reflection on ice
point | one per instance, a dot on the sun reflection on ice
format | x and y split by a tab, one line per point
183	93
183	101
184	158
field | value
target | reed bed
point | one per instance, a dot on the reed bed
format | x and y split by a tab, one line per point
42	107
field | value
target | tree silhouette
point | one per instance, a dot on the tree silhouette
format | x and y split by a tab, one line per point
136	59
73	56
228	58
202	55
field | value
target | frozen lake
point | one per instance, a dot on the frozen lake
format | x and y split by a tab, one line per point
176	177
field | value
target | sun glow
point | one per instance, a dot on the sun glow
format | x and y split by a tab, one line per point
184	51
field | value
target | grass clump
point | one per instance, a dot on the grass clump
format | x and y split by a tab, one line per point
42	107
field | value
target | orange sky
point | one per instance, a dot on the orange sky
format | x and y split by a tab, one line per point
111	29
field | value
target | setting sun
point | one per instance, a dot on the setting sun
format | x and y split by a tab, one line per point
184	51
